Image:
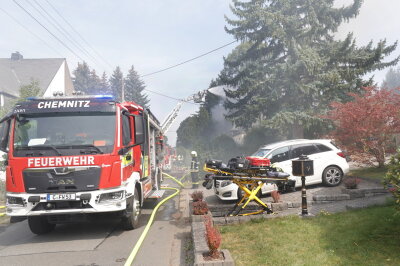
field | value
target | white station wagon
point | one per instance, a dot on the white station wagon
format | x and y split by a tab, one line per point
330	164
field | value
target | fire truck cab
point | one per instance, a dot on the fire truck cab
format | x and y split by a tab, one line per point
68	157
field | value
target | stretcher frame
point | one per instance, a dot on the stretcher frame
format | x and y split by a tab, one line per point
250	182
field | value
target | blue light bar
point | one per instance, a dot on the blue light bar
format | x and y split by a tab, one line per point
104	96
31	98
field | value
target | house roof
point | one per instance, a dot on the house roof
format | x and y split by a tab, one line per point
14	73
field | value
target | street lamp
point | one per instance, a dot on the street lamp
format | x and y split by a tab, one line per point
303	167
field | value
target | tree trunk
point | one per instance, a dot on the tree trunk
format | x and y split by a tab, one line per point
381	157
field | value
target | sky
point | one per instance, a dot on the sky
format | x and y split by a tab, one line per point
154	34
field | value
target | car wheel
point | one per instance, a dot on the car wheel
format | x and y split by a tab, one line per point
40	225
131	219
332	176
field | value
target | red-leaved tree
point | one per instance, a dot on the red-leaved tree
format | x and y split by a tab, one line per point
366	125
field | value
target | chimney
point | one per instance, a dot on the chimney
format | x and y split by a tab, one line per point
16	56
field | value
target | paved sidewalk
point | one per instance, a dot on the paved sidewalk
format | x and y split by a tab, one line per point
294	199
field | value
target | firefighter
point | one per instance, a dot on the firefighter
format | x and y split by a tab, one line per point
194	169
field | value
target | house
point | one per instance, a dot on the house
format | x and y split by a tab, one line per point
51	73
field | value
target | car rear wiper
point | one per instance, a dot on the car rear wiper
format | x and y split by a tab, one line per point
40	147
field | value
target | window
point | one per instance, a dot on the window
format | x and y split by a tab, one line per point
261	152
323	148
139	129
4	135
302	149
126	130
65	131
279	155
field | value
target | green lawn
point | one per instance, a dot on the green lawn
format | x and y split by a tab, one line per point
369	172
362	237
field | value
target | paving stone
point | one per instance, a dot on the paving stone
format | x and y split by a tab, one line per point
296	204
232	220
319	197
219	220
244	219
280	206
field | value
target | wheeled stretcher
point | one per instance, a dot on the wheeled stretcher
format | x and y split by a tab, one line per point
249	179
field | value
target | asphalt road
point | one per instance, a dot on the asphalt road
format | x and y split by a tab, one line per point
102	242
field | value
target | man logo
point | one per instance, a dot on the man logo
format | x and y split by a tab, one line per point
62	170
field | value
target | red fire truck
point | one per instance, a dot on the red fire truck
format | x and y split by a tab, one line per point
169	158
73	156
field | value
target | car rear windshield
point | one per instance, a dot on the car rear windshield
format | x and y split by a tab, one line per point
323	148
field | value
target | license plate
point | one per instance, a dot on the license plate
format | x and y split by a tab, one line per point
66	196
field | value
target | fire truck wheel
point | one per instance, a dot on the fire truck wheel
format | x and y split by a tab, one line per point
131	220
39	225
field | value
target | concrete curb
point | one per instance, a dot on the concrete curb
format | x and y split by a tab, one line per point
200	245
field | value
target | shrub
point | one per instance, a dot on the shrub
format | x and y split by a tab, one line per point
365	125
197	195
200	208
275	196
213	237
351	182
392	178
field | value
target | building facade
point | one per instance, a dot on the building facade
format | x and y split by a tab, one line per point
52	74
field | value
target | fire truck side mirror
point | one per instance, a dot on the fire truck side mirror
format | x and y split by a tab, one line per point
4	134
139	130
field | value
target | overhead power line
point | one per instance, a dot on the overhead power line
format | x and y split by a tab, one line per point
79	35
49	18
31	32
52	34
187	61
167	96
179	64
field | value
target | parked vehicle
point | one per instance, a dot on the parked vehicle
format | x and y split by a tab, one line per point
73	156
330	165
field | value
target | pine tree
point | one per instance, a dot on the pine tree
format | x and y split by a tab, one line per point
134	89
288	66
82	77
392	79
104	84
94	84
116	81
86	80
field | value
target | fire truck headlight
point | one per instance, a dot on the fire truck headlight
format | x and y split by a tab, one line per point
226	183
15	201
112	196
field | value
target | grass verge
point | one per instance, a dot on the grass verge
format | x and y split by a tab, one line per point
370	172
362	237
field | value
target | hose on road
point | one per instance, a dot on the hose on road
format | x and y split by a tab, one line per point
138	244
173	178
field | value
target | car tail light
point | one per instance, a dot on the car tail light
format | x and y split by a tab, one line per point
341	154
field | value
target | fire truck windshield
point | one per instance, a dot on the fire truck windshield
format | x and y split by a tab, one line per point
64	134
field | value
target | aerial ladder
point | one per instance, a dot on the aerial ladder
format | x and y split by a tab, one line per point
196	97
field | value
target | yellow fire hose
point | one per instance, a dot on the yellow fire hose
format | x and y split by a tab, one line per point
2	214
173	178
138	244
184	176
